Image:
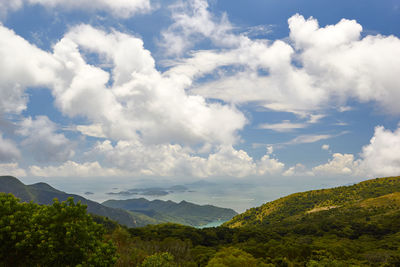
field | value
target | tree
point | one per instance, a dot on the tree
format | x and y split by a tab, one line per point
61	234
234	257
159	260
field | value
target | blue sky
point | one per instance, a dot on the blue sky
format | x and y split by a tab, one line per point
186	90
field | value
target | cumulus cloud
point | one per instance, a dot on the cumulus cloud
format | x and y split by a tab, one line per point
142	102
175	160
21	65
333	65
268	165
340	164
381	157
43	141
346	65
119	8
377	159
8	150
140	105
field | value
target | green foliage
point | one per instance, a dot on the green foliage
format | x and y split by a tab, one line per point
233	257
159	260
202	255
61	234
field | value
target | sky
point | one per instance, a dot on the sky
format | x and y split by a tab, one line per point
102	91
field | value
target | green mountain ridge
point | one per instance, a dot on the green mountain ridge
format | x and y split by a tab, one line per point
299	204
168	211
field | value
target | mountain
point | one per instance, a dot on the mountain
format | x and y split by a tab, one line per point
43	193
168	211
300	204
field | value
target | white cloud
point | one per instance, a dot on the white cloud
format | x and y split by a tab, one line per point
284	126
118	8
43	141
141	103
325	147
381	157
193	22
309	138
94	130
340	164
298	170
21	65
11	169
8	150
346	65
337	65
268	165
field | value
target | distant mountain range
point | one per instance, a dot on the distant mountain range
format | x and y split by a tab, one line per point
132	213
168	211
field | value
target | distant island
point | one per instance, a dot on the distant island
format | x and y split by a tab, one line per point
151	191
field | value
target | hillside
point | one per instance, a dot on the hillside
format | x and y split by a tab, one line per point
299	204
42	193
356	225
168	211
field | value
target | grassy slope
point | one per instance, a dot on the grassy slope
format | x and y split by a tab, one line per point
298	204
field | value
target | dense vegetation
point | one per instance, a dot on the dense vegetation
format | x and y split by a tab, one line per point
168	211
357	225
61	234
